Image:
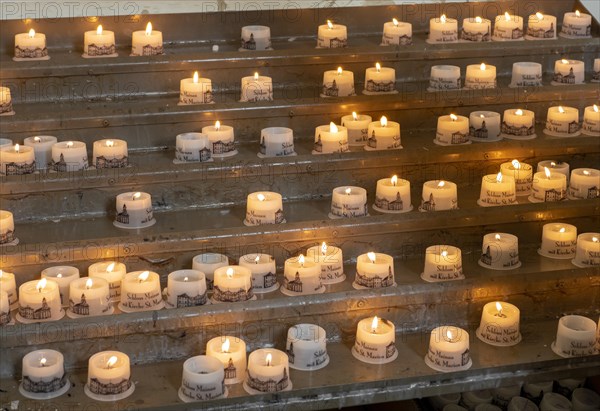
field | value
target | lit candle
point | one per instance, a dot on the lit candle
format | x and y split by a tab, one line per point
231	352
526	74
396	33
331	259
548	186
576	25
147	42
500	251
358	128
257	88
186	288
575	337
268	372
276	142
480	76
192	147
448	349
442	263
112	272
383	135
338	83
499	324
44	375
31	45
42	148
518	124
562	121
6	108
508	27
559	241
69	156
591	121
264	207
109	376
541	27
331	36
452	129
232	283
374	270
195	90
263	269
222	138
484	126
203	379
208	264
588	250
110	154
439	195
444	77
256	38
7	228
301	277
568	72
63	276
375	341
99	43
17	160
393	195
330	139
522	173
140	291
476	29
134	210
348	202
39	301
443	30
497	190
89	297
584	184
9	286
555	166
5	317
306	347
380	80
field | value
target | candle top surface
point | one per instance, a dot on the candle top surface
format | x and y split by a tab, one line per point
211	258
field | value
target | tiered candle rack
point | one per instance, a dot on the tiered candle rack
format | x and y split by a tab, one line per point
200	207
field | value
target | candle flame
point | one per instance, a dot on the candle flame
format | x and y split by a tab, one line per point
506	16
324	248
339	71
378	67
333	128
441	184
453	117
31	33
143	276
586	173
137	195
225	346
443	18
577	13
552	164
478	19
561	109
482	67
269	359
16	148
565	61
37	139
372	256
348	191
519	112
89	283
99	30
539	15
595	108
394	180
329	24
59	275
1	273
186	279
499	307
261	197
111	362
148	29
499	177
196	77
449	335
395	21
69	144
257	259
354	115
383	121
255	75
41	285
497	236
229	273
374	325
301	260
516	164
595	239
110	143
43	362
110	268
218	125
562	230
547	172
444	253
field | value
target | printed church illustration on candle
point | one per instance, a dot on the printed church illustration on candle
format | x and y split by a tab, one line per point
17	169
104	50
230	370
331	90
6	107
100	388
42	313
44	386
481	132
232	296
269	385
7	237
184	300
540	33
103	162
384	204
475	36
4	318
81	308
30	53
376	281
568	79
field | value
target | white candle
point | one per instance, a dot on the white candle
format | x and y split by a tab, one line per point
443	30
499	324
568	72
301	276
444	77
508	27
9	286
69	156
39	301
268	371
518	124
576	25
330	139
374	270
147	42
522	173
500	251
331	36
484	125
348	202
555	166
396	33
584	184
331	259
30	45
140	291
535	390
257	88
263	269
452	129
548	186
588	250
110	153
575	336
375	341
559	240
526	74
17	160
358	128
134	210
232	283
596	71
195	90
89	297
306	347
186	288
480	76
562	121
5	142
476	29
276	142
439	195
393	195
448	349
497	190
231	352
5	317
383	135
555	402
541	26
111	271
7	227
202	380
63	276
208	263
264	207
442	263
222	138
338	83
99	42
44	375
380	80
192	147
5	101
480	400
584	399
516	403
42	148
109	376
256	38
591	121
